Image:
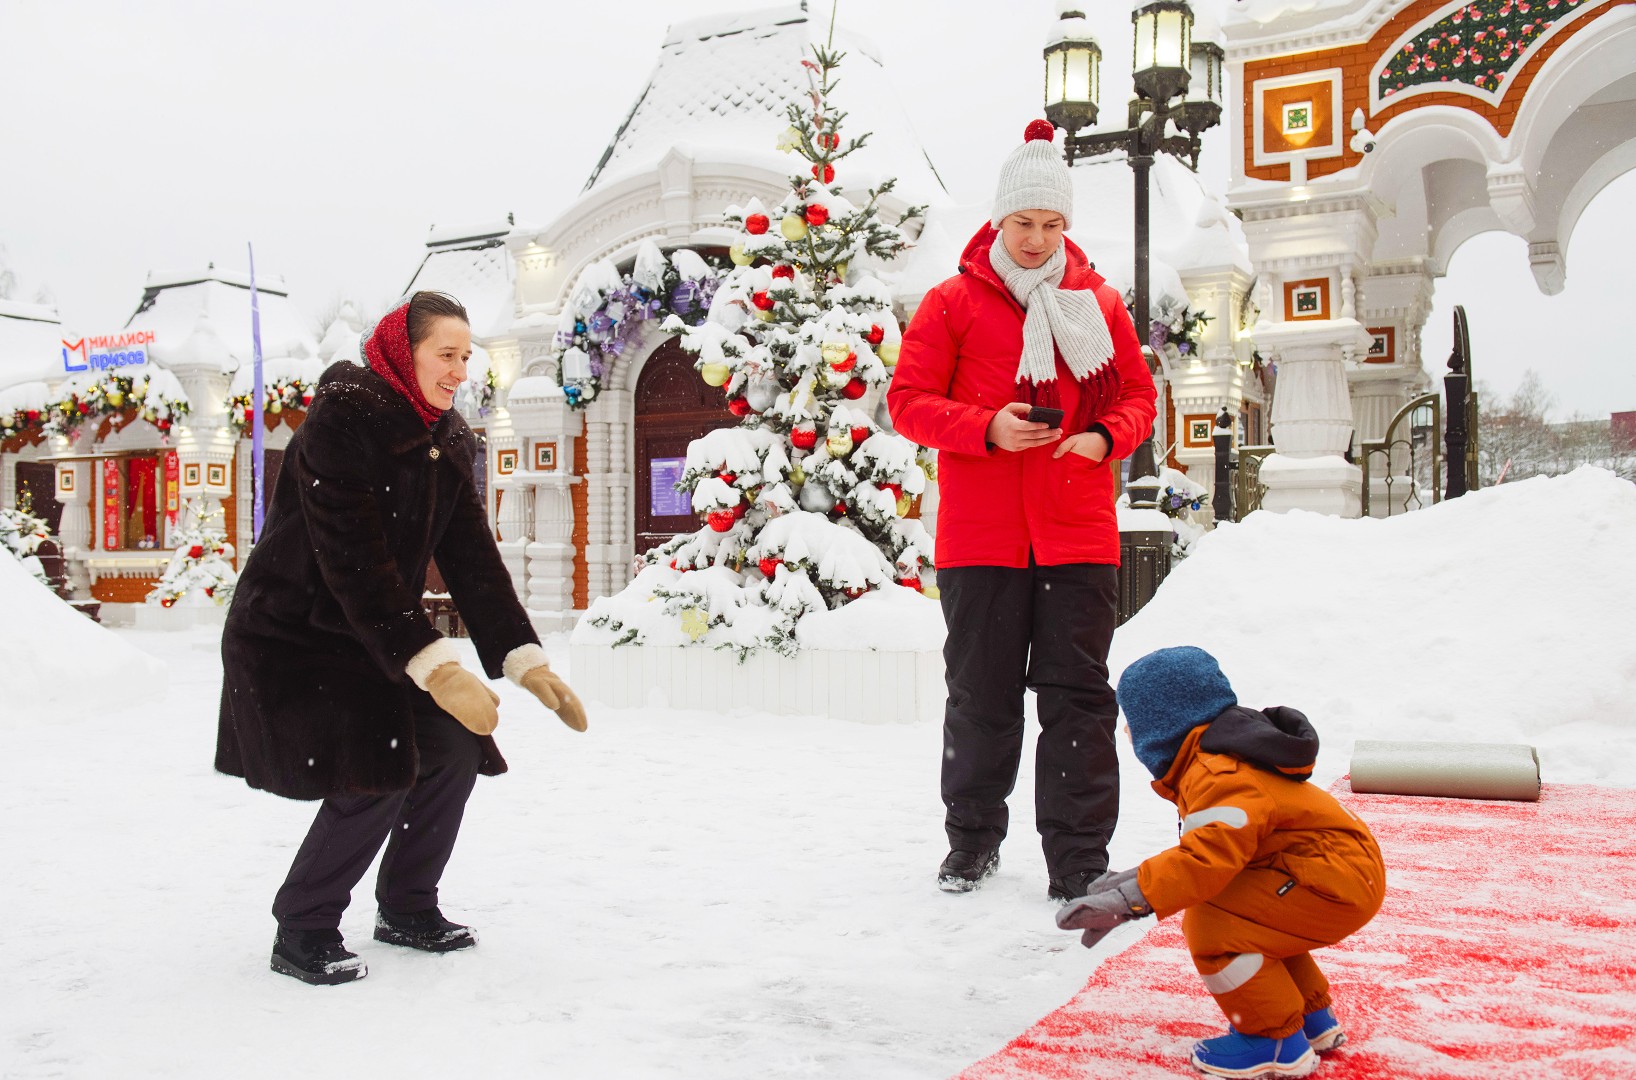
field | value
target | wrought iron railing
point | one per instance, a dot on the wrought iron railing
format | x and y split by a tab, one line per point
1407	462
1247	486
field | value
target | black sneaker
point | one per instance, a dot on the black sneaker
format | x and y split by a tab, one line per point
1072	886
426	930
317	957
963	871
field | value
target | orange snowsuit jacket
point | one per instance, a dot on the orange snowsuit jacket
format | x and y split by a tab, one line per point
1236	817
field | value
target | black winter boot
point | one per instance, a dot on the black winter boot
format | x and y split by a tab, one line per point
963	871
1072	886
317	957
426	930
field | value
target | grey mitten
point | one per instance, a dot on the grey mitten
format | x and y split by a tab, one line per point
1110	900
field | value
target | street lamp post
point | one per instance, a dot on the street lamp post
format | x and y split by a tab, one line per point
1178	97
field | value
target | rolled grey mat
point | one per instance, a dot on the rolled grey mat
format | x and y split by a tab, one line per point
1451	770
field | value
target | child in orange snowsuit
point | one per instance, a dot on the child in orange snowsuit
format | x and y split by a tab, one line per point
1268	868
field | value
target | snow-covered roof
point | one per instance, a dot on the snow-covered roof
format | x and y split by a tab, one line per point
1262	12
205	317
724	84
30	342
1190	228
471	264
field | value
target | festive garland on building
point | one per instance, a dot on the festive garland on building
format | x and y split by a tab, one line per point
609	312
23	422
1476	45
126	396
284	392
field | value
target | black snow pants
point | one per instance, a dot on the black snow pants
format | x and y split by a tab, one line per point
1046	629
422	822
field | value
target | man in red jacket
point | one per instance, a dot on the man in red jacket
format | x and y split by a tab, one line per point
1027	536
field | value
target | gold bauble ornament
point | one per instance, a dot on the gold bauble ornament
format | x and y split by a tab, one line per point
835	352
115	398
888	353
797	475
931	592
765	316
839	443
905	504
715	374
739	256
275	408
794	228
840	270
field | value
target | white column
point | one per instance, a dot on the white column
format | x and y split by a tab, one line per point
551	554
1312	417
608	478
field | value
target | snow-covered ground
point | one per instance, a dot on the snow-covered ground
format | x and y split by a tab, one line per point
680	894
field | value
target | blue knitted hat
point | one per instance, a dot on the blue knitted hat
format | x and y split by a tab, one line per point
1165	695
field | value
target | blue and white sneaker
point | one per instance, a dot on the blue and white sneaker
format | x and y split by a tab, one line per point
1239	1055
1322	1030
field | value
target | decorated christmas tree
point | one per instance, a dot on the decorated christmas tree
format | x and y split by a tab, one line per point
805	501
21	534
202	566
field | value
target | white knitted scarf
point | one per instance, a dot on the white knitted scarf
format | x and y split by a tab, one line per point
1070	318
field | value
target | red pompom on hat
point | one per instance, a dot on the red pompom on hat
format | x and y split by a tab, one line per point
1039	129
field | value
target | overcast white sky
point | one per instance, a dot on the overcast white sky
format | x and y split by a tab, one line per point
165	134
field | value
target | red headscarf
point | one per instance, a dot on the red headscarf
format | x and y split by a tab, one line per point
392	359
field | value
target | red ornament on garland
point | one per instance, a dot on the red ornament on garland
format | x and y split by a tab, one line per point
910	583
817	214
306	399
855	389
720	520
196	551
756	224
739	407
783	270
826	173
1039	129
846	365
169	601
762	301
33	415
839	508
804	437
859	433
726	477
768	567
875	336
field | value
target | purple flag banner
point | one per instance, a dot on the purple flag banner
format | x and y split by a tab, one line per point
258	452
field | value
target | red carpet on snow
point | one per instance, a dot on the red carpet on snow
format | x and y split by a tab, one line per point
1506	948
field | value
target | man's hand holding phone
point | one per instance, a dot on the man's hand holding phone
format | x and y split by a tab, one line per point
1011	428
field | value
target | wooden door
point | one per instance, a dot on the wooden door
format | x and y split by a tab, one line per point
38	479
673	407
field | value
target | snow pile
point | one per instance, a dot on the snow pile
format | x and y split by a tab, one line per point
1497	617
48	650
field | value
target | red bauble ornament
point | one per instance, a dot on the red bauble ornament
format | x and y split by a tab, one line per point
196	551
1039	129
855	389
804	438
840	508
740	510
895	489
210	590
739	407
859	433
910	583
768	567
726	477
755	224
169	601
162	424
720	520
85	407
306	399
762	300
829	140
33	415
875	336
853	594
848	364
783	271
817	214
826	173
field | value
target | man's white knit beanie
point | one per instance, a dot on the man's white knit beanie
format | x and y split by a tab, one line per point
1034	177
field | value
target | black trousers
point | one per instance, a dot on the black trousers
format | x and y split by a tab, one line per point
423	823
1046	629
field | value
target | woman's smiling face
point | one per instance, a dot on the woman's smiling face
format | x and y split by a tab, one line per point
440	360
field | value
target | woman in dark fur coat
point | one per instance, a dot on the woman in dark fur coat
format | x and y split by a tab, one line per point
337	687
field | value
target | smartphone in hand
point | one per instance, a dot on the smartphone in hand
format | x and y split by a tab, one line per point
1039	414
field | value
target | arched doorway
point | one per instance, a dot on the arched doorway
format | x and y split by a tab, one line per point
673	407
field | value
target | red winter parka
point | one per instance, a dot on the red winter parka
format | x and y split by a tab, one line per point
957	368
